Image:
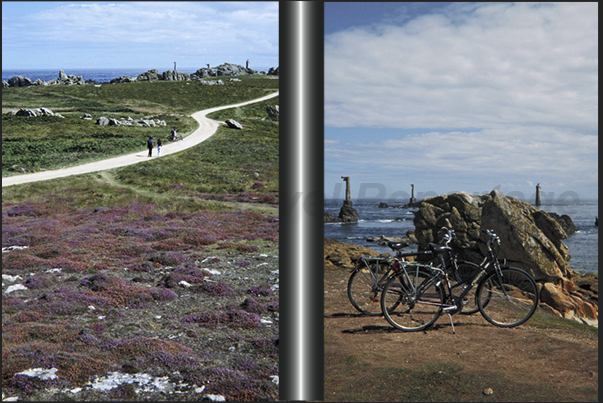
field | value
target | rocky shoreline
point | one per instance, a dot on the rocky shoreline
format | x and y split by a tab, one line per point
530	239
223	70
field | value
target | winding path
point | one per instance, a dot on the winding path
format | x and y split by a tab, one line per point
207	128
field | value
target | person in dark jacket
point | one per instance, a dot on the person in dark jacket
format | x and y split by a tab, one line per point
150	145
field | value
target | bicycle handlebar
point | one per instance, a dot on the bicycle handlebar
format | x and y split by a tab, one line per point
492	235
447	237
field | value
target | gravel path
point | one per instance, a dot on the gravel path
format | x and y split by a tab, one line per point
207	127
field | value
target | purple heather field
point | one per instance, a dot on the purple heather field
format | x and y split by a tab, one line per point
126	303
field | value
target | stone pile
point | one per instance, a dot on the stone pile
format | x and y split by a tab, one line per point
37	112
146	121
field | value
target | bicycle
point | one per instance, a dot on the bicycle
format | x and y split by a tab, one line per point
461	272
175	137
370	274
414	298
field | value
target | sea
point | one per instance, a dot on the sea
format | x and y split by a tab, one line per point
99	75
395	222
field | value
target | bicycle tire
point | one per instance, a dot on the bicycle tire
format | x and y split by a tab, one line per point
411	300
510	302
363	293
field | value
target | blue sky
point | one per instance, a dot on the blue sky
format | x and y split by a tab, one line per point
120	34
461	96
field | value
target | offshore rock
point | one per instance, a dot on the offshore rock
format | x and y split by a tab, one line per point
348	213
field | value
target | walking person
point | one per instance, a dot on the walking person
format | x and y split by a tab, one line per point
150	145
159	144
174	134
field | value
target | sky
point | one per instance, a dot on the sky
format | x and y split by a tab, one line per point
154	34
461	97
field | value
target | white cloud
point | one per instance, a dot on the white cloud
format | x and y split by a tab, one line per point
519	63
215	28
509	91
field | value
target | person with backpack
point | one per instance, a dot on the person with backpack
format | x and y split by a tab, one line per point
150	145
159	144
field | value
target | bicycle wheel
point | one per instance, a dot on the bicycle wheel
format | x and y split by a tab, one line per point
462	280
363	291
411	301
508	300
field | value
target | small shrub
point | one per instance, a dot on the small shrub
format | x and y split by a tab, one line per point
263	290
219	289
252	306
168	258
163	294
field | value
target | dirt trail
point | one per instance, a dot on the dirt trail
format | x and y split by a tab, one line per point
207	127
563	364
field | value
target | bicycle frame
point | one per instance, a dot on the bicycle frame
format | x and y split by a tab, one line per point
485	267
378	263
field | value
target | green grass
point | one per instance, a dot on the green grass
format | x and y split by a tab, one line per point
37	143
546	320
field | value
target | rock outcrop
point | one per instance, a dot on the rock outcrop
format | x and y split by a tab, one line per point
347	213
37	112
225	69
146	121
273	112
19	81
344	255
530	239
233	124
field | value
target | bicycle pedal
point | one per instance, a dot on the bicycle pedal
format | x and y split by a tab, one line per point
373	299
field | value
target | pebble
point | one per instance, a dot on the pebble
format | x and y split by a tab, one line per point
488	391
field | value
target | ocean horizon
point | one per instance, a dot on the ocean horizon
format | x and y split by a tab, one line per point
99	74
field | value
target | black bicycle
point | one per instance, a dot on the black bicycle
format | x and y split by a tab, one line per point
414	298
371	273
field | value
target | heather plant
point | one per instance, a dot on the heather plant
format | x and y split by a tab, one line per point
168	258
263	290
163	294
189	273
253	306
219	289
39	281
107	251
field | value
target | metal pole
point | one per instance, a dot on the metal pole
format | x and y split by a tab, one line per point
301	201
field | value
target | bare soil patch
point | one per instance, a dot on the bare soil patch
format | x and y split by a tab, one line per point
366	359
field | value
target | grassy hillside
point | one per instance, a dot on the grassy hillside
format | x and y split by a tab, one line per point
34	143
166	269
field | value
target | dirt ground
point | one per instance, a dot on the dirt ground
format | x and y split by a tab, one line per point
525	363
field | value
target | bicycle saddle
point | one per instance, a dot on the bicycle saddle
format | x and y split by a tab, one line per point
437	248
396	245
